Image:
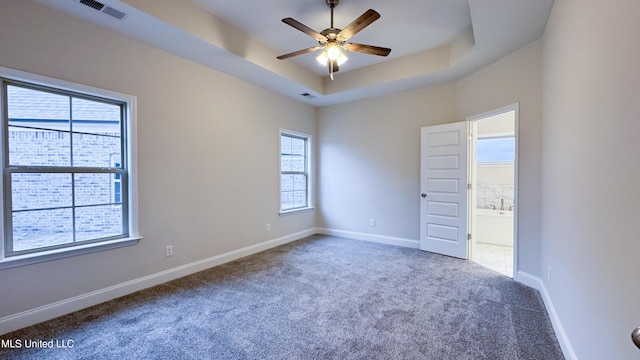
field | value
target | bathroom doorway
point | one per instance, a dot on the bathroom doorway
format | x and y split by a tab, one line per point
493	199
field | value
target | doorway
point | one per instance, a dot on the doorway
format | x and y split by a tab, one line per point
468	174
493	205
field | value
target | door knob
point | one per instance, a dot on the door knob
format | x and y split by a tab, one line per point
635	336
424	195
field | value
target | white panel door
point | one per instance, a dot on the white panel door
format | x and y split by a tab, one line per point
443	187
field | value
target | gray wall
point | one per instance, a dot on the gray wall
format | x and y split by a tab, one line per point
591	217
207	153
369	160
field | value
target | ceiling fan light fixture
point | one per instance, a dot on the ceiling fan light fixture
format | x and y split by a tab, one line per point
342	59
323	58
329	54
333	51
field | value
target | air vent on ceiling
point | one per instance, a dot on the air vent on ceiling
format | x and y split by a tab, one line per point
104	8
307	95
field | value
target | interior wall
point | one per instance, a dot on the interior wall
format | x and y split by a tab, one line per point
591	174
495	174
516	78
497	125
370	150
208	153
369	160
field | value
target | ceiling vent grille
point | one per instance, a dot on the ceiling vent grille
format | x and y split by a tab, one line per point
104	8
94	4
113	12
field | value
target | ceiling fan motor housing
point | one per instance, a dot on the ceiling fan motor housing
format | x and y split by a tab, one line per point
332	3
331	33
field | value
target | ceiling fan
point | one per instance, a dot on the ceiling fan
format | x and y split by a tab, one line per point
332	40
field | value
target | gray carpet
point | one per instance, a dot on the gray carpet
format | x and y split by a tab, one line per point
318	298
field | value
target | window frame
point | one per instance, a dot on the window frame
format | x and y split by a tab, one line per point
307	172
128	171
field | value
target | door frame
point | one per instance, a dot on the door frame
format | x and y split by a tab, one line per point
472	178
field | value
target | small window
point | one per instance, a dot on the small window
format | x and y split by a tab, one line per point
65	168
294	172
496	149
116	182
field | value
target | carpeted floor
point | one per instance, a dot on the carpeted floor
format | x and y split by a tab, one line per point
318	298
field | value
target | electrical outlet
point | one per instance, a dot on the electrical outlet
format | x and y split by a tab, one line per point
168	251
372	222
268	227
549	273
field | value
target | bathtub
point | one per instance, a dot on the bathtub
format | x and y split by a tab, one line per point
494	227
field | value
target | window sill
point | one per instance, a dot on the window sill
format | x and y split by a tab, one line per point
295	211
29	259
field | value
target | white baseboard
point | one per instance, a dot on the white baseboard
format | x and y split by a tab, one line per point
50	311
529	280
537	283
390	240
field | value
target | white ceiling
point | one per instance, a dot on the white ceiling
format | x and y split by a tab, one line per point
432	41
407	27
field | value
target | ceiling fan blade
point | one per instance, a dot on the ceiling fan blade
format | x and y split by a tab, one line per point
367	49
299	52
358	24
304	28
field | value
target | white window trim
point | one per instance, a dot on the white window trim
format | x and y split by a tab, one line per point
310	175
134	234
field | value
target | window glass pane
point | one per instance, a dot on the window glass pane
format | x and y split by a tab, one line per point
298	146
93	189
94	222
297	163
285	163
286	200
117	192
285	144
299	182
299	199
40	191
286	182
38	147
35	108
40	228
491	150
94	150
95	117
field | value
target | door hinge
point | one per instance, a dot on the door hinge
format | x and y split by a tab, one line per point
468	186
468	236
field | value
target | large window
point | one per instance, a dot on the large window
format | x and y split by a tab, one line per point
65	168
294	171
501	149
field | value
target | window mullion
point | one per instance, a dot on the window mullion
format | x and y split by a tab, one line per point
6	177
73	177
